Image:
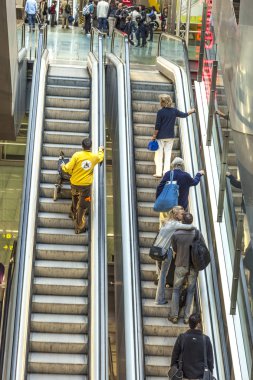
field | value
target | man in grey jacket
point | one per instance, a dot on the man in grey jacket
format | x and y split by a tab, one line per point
181	244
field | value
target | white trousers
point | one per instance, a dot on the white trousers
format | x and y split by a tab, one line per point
165	147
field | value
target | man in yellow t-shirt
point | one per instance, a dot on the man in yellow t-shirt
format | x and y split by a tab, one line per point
81	167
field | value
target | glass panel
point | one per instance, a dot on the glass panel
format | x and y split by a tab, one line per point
172	50
19	36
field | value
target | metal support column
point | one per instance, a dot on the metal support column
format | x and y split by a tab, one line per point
202	43
179	18
171	20
222	184
237	259
188	17
211	104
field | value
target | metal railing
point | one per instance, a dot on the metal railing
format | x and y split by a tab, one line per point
98	321
177	53
5	307
18	328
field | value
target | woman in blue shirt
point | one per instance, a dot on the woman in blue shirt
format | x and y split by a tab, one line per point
164	133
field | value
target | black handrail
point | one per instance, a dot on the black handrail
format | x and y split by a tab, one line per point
207	211
21	246
5	308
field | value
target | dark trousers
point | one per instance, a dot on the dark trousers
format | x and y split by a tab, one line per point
151	31
141	34
102	23
80	205
87	25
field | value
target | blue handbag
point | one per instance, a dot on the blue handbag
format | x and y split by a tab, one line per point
168	197
153	145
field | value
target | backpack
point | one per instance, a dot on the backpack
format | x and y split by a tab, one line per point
200	255
67	8
168	197
86	10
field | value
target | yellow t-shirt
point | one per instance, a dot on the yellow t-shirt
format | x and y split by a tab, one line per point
81	167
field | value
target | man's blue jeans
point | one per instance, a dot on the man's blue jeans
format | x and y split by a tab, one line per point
179	276
31	21
160	292
102	23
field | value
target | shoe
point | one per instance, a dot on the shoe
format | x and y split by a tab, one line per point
161	303
157	176
137	45
80	231
174	320
150	40
186	321
156	282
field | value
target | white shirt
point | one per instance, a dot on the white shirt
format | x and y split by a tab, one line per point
134	14
102	9
31	7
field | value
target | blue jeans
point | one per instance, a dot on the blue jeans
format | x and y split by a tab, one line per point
160	291
179	276
102	23
31	21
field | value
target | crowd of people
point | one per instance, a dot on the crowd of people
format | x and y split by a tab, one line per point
137	22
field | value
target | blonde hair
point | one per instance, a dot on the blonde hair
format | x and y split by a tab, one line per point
165	101
171	215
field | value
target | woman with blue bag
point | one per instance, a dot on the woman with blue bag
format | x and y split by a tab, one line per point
170	225
164	133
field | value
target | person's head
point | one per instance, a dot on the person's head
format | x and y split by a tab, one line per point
177	163
86	143
187	218
120	6
165	101
176	213
195	321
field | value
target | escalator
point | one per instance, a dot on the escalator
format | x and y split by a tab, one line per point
58	341
159	334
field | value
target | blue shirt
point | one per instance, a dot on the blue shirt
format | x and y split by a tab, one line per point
31	7
184	181
165	122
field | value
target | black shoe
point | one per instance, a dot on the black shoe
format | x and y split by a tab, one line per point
174	320
137	45
80	231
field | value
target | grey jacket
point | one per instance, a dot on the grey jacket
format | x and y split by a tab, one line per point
163	239
181	243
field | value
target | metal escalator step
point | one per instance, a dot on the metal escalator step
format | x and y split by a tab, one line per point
152	377
49	205
59	323
66	113
60	286
68	138
157	365
146	195
148	223
54	220
159	346
67	102
145	86
142	142
48	176
73	91
61	269
59	304
68	82
150	309
143	155
63	252
79	126
147	209
54	149
146	239
47	191
57	363
144	118
147	129
61	343
60	236
149	95
145	106
148	290
144	256
50	376
147	181
157	326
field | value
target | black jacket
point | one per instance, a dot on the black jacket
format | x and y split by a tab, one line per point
193	353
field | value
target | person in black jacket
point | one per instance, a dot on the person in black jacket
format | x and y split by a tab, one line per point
164	133
192	343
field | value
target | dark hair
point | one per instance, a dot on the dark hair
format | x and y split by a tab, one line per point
86	143
187	218
194	320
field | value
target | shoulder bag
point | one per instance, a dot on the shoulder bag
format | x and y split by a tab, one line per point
168	197
176	371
